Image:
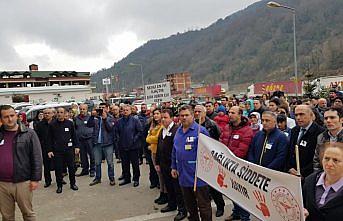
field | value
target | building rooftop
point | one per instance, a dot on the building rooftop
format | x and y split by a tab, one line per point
44	74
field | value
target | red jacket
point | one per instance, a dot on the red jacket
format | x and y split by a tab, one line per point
222	120
238	139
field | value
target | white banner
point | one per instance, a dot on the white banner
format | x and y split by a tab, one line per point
265	193
157	93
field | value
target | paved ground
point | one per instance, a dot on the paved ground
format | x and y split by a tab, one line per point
102	202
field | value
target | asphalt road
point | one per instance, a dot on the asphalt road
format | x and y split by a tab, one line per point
103	202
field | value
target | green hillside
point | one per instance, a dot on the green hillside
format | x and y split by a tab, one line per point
255	44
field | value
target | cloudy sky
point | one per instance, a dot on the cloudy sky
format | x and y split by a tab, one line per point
87	35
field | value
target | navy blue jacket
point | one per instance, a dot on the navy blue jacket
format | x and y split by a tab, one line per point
82	131
270	150
128	133
107	129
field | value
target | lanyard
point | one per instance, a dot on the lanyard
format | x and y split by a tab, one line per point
263	149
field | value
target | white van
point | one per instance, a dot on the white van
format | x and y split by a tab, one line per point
31	112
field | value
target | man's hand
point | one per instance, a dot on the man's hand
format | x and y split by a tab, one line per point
50	154
33	185
306	213
158	168
77	151
174	173
293	171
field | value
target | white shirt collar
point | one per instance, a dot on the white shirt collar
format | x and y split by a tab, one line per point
165	131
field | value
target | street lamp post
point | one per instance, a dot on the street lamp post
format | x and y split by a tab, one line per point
141	66
278	5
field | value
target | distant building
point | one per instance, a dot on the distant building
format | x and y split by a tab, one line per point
44	86
180	83
35	78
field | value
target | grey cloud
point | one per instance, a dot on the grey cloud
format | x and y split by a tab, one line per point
82	28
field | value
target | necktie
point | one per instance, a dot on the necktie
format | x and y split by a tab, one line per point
100	128
302	132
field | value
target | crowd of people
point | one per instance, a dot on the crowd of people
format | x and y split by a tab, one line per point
261	130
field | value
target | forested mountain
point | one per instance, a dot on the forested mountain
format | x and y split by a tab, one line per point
255	44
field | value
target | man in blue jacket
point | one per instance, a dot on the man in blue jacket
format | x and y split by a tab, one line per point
128	137
102	124
183	166
84	134
269	147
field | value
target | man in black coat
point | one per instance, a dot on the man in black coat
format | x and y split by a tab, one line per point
42	130
305	136
163	164
20	165
63	145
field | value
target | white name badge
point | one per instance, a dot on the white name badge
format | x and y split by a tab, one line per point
66	129
269	146
85	122
190	139
70	144
303	143
2	142
236	136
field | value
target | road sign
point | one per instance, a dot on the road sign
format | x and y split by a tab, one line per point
157	93
106	81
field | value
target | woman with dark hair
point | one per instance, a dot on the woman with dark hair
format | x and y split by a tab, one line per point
39	117
152	140
323	190
265	99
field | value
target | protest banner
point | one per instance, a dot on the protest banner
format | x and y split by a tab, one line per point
265	193
157	93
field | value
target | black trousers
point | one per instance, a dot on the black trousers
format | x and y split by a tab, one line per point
175	198
66	157
198	201
141	150
86	149
47	163
217	198
130	157
153	177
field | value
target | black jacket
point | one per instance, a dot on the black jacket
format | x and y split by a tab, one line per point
306	152
165	147
27	155
212	116
42	129
332	210
62	136
211	127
